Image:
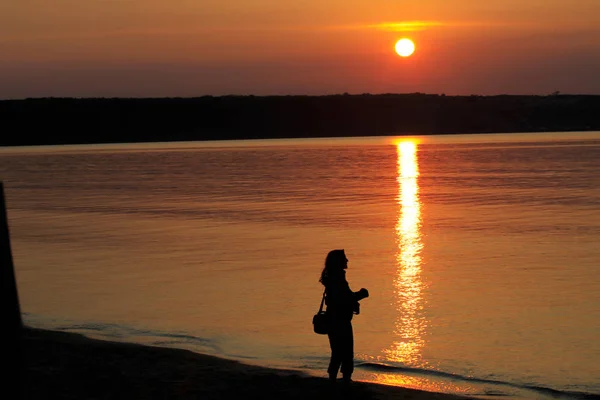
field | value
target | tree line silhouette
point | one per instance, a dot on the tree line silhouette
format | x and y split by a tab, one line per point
42	121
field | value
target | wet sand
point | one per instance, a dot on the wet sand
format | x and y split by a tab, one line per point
70	366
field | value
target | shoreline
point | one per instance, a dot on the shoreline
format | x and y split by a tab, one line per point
72	366
131	120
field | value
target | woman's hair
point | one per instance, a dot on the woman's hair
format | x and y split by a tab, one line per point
334	262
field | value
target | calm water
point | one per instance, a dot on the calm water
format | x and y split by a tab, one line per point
481	252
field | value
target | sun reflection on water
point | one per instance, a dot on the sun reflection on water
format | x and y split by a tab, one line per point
410	324
421	383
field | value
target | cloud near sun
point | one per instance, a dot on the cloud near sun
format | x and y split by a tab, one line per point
406	26
413	26
403	26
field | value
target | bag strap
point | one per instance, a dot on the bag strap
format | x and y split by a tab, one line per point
322	301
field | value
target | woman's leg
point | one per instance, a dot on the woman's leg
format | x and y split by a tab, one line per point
347	350
336	345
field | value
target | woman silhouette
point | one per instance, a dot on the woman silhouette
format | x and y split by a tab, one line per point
342	304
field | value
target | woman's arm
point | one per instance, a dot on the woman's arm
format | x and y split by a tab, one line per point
361	294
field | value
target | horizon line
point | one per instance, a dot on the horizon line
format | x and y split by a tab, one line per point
551	94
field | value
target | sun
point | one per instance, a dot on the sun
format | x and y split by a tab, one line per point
405	47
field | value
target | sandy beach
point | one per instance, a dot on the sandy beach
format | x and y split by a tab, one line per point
71	366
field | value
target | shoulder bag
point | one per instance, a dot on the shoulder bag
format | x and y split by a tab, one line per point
320	319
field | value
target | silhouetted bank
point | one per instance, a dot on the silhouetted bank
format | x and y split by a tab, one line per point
116	120
59	365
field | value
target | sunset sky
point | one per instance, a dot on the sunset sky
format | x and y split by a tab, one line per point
157	48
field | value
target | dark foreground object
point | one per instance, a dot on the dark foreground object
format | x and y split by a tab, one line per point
10	313
70	366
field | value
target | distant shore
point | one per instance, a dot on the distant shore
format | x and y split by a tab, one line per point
55	121
71	366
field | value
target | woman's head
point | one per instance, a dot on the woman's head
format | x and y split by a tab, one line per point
336	259
335	264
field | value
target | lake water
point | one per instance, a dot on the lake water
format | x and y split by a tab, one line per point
481	252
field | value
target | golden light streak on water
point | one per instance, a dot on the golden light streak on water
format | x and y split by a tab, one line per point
409	325
420	383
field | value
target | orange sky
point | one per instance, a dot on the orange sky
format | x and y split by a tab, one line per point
191	48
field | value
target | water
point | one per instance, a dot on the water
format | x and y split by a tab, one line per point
480	252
